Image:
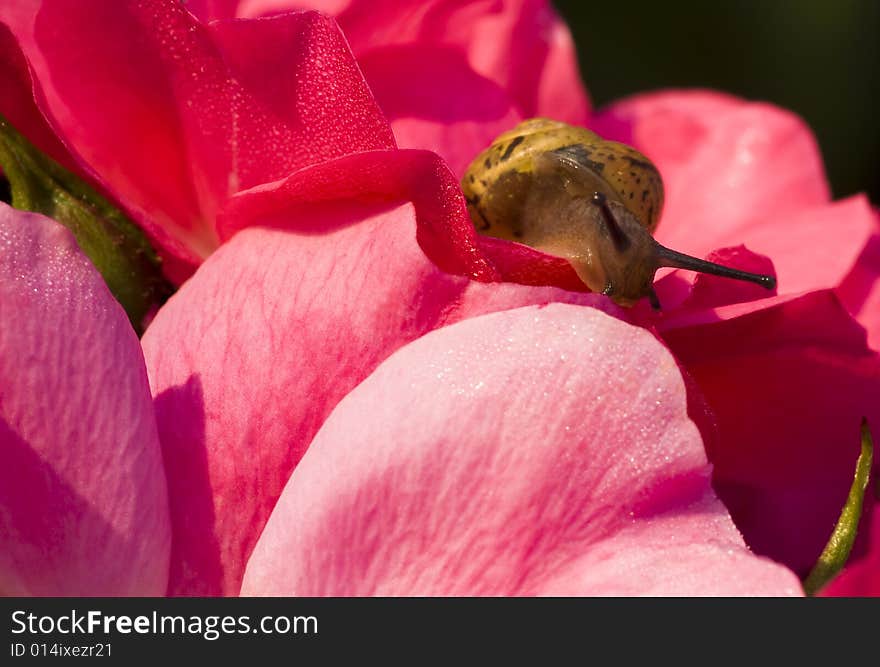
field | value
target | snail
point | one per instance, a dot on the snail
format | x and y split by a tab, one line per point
567	192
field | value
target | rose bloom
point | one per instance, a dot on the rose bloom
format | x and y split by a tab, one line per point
353	394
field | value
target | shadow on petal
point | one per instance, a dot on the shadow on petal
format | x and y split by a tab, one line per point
196	567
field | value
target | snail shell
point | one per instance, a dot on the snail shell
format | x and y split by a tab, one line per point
568	192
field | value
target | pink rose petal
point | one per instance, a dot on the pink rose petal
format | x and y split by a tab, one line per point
669	126
221	108
530	452
682	294
729	167
253	352
451	76
83	504
480	298
860	290
520	44
807	255
299	315
435	101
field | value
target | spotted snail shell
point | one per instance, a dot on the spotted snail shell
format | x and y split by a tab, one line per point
568	192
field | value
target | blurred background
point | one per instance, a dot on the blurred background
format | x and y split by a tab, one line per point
818	58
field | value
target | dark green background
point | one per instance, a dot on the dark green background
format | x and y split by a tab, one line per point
819	58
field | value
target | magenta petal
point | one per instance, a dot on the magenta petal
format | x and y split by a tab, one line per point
805	258
221	108
712	292
83	502
214	10
521	45
788	386
530	452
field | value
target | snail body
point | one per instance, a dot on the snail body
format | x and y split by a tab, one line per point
568	192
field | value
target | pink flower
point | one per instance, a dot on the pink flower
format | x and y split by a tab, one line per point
339	251
83	500
788	378
743	174
213	123
549	505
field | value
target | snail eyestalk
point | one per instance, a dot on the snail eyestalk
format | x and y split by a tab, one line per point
678	260
618	237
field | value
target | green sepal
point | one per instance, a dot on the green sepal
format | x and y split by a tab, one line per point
836	552
115	245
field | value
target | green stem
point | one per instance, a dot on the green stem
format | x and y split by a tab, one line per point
837	551
115	245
